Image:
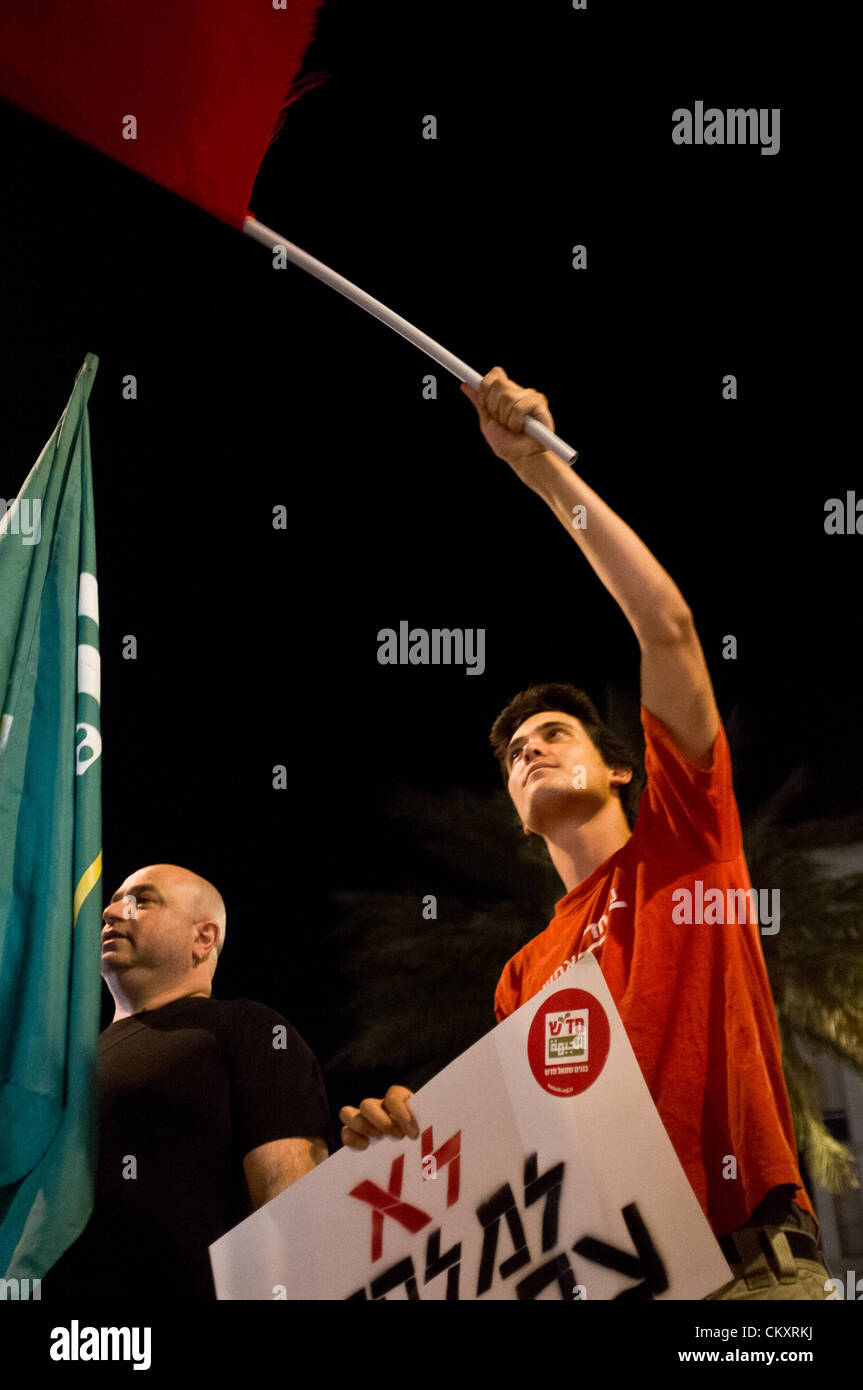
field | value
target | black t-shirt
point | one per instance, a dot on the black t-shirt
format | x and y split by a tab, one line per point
185	1092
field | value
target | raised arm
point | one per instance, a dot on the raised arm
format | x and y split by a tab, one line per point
675	682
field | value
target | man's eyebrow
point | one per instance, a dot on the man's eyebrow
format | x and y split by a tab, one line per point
540	729
137	891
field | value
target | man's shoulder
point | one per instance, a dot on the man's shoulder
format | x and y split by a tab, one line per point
244	1013
661	749
248	1018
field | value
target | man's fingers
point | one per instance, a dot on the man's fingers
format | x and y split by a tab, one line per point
376	1118
379	1120
508	404
514	409
395	1104
355	1130
352	1119
352	1140
491	392
529	403
496	374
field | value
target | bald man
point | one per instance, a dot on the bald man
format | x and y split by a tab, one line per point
208	1108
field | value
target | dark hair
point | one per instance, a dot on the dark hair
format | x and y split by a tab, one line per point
578	703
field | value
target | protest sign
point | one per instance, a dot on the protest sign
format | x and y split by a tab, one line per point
542	1171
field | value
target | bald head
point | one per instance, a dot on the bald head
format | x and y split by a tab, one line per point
184	915
205	902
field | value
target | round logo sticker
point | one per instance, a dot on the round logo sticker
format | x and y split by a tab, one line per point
568	1042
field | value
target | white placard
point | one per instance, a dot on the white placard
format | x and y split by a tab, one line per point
542	1171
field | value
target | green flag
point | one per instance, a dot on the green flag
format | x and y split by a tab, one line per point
50	850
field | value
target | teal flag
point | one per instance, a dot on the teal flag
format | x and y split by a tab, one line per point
50	850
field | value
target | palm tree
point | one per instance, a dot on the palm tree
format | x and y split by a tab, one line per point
420	987
815	965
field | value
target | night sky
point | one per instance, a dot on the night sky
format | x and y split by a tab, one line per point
259	388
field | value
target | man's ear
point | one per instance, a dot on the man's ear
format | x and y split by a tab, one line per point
207	934
621	775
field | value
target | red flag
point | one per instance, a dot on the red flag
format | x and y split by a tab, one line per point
204	80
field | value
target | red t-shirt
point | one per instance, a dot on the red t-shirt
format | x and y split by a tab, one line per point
694	998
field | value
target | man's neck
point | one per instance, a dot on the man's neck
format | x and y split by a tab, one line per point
575	851
128	1000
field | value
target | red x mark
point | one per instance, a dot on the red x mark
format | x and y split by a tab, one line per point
388	1204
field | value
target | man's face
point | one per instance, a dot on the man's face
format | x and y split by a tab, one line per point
555	769
148	924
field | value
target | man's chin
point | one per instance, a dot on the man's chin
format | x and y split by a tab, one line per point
553	806
111	966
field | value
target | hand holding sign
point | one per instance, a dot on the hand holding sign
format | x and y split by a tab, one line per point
377	1118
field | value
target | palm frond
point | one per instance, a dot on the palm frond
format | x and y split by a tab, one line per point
815	966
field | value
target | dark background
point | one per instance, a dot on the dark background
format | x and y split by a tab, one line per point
257	387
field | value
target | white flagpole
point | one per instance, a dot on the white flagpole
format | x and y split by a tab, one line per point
451	363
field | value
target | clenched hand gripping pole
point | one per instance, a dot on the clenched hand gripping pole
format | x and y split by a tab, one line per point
439	354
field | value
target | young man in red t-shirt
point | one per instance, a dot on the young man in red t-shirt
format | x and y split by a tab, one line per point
657	889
